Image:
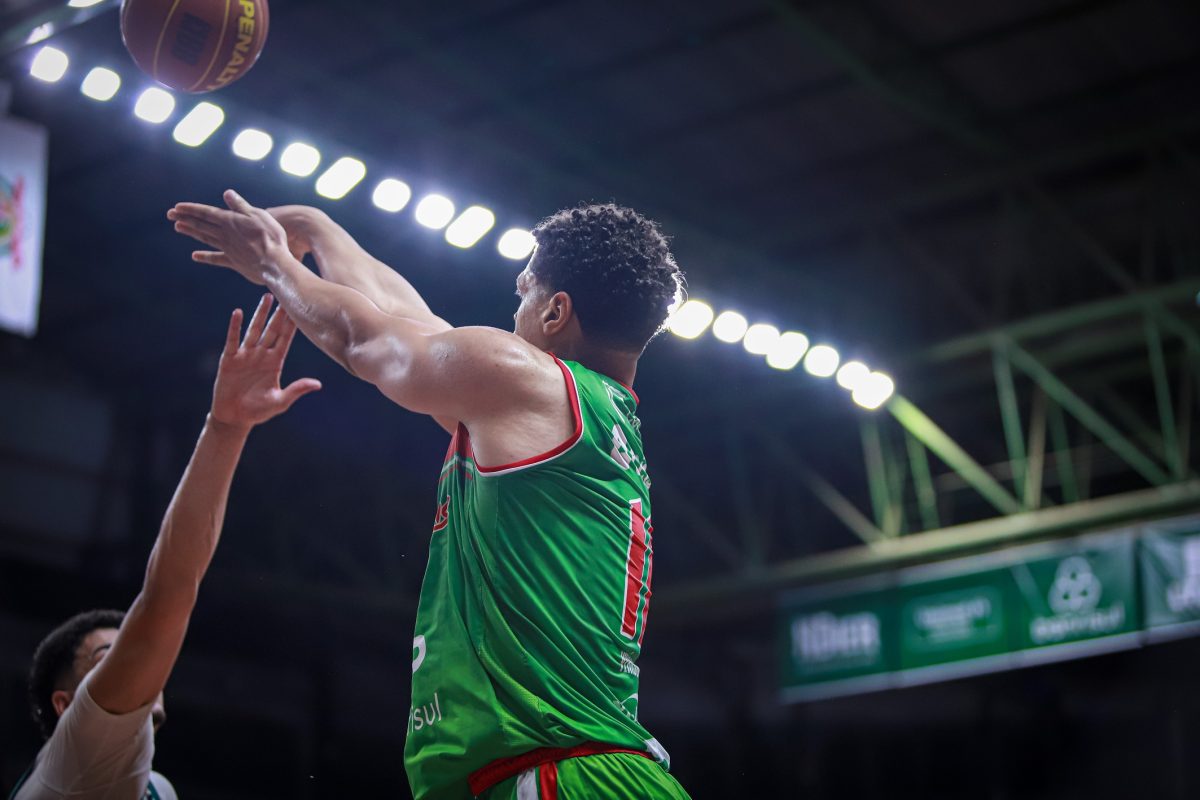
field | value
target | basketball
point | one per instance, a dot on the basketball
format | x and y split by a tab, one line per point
194	45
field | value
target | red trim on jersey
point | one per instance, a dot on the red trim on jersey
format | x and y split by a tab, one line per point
573	393
502	769
635	565
649	576
629	389
548	781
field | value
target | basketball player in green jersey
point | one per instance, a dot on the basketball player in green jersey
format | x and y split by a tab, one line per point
533	608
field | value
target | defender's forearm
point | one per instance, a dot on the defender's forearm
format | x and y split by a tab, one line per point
192	525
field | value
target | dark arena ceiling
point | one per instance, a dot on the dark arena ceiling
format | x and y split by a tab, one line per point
901	179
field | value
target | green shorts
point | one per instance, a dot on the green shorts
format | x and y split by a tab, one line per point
608	776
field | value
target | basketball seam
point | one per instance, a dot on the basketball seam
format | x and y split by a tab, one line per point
161	35
217	51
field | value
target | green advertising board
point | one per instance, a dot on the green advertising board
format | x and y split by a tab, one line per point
1170	572
955	618
1006	609
1087	590
841	637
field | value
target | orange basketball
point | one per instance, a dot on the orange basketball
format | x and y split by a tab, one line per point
194	45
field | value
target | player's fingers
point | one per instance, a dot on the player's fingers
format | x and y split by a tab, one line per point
234	332
200	235
215	257
198	211
236	202
258	322
274	329
297	389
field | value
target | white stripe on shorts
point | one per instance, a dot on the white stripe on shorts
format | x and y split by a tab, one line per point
527	785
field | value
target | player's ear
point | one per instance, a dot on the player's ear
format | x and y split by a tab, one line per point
60	700
557	313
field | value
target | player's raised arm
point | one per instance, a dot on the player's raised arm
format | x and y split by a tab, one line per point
342	260
424	367
246	393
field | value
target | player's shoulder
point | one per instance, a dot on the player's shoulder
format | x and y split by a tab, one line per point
497	348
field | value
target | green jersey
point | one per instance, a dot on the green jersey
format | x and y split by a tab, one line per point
534	601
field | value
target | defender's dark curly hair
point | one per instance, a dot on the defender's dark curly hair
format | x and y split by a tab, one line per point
54	660
617	267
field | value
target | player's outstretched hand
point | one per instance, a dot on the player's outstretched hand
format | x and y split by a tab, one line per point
247	389
242	237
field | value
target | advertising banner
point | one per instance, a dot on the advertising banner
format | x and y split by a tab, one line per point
22	216
1081	592
838	637
1170	571
956	618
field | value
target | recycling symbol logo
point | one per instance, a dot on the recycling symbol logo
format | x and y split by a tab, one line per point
1076	588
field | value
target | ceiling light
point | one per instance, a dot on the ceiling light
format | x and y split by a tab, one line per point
729	327
851	374
470	226
822	361
690	319
337	181
516	243
199	124
100	84
83	3
252	144
760	338
391	195
434	211
874	390
299	159
49	65
787	351
40	33
154	105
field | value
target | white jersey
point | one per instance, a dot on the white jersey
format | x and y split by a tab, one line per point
95	755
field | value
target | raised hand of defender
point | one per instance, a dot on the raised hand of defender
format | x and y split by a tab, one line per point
243	237
247	390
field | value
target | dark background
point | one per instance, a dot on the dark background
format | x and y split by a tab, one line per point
885	176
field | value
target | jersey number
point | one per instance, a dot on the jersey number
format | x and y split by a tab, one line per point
639	566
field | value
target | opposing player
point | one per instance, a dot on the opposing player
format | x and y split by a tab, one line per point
534	602
96	681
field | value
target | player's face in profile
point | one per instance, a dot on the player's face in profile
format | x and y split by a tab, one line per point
93	649
527	319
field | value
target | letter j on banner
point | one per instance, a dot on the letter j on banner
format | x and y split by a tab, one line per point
22	222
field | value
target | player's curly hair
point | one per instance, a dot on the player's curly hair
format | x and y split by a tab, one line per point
54	660
617	267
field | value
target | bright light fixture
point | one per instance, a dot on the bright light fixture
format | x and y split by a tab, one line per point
391	195
470	226
729	327
49	65
788	349
760	338
690	319
83	3
40	33
154	105
199	124
337	181
299	159
851	374
252	144
821	361
435	211
874	390
516	243
100	84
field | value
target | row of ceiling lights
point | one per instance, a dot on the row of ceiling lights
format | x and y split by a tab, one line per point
782	350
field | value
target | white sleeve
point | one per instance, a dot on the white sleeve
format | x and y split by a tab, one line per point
93	753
